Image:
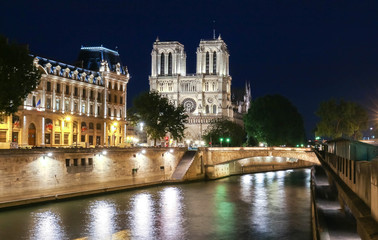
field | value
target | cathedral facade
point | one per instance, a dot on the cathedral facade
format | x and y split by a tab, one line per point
206	95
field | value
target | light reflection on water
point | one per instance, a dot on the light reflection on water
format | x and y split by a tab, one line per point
46	225
273	205
102	216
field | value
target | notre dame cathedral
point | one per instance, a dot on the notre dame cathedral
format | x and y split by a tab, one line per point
206	95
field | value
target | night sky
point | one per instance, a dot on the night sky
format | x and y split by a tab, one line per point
307	51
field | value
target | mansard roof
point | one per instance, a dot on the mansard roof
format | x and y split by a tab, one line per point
91	58
53	67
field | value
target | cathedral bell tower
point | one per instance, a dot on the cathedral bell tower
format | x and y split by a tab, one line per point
168	59
212	57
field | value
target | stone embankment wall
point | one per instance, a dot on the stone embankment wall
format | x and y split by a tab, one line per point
33	174
357	187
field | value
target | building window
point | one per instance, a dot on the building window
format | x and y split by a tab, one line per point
75	107
84	93
67	89
206	86
207	109
67	105
214	62
3	136
91	95
120	100
75	162
170	64
83	107
109	97
57	104
34	101
90	161
98	97
83	162
120	112
58	87
109	113
98	126
98	110
82	138
91	110
161	87
121	87
115	98
214	109
213	86
47	138
76	91
48	103
48	86
91	126
162	64
170	87
66	137
57	138
68	162
90	140
207	62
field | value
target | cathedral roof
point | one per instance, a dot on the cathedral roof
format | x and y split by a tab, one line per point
91	58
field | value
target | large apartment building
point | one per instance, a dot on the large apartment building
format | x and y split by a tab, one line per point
83	105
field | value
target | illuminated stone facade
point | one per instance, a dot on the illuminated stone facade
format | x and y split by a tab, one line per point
73	106
206	95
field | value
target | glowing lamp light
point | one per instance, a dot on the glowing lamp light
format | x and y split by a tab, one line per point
143	151
227	140
104	152
49	154
221	139
115	124
171	150
68	119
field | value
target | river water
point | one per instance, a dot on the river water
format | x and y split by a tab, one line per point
272	205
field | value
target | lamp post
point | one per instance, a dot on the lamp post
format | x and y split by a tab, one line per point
221	141
228	142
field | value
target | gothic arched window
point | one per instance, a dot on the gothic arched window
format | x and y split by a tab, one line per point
207	109
214	109
162	58
206	86
170	64
214	62
207	62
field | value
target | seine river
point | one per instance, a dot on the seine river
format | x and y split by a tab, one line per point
272	205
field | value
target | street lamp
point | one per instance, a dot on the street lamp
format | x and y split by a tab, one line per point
221	141
228	142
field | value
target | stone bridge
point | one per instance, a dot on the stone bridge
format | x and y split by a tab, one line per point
214	156
221	162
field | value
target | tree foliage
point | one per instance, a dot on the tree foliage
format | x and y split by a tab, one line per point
225	129
274	120
341	119
159	116
18	76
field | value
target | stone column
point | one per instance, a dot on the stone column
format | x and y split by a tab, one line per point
43	132
374	188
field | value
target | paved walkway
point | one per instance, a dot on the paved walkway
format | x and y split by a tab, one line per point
334	223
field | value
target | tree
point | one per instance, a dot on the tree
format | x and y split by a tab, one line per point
18	76
225	129
341	119
274	120
159	116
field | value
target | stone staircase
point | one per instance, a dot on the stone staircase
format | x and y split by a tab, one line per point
183	165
